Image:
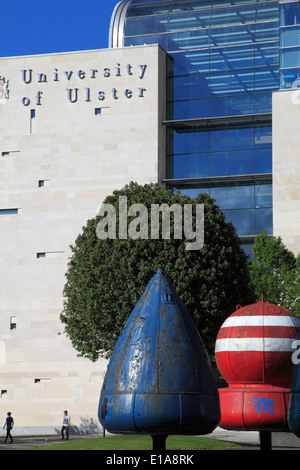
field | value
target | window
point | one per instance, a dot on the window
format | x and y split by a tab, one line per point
41	380
50	254
247	205
289	14
13	322
3	393
10	153
219	152
43	183
97	111
9	211
289	43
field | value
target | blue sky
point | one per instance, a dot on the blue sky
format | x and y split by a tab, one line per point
45	26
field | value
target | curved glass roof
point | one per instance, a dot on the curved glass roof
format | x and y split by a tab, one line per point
153	21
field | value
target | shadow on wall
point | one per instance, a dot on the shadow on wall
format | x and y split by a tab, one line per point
87	426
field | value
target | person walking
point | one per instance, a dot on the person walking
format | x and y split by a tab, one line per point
66	425
9	423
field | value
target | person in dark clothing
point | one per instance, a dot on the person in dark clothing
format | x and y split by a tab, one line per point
9	423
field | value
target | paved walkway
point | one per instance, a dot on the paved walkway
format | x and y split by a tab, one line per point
27	442
242	437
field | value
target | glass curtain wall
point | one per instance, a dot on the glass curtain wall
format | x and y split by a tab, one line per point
290	45
224	65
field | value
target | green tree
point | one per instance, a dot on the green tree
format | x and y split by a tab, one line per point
275	272
106	277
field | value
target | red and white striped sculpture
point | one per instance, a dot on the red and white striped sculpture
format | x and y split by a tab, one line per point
253	353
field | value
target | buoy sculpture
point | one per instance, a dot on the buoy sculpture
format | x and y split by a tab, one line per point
159	380
254	355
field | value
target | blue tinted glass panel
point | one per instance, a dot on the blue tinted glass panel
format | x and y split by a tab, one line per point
263	136
267	11
147	25
290	57
190	109
267	31
266	80
290	36
232	36
263	103
179	5
190	62
246	221
190	166
221	3
233	16
225	59
263	195
290	78
234	197
243	220
199	61
230	82
191	142
191	87
183	40
263	161
232	58
264	220
189	20
148	8
180	65
232	163
289	14
191	191
232	139
232	106
267	55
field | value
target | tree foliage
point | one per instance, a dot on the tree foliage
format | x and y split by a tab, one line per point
106	278
275	272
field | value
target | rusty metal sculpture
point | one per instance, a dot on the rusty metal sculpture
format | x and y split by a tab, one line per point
159	380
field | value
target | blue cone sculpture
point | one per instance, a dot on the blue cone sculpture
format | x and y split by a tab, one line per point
294	405
159	379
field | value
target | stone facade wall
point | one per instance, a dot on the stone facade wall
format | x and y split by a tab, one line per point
286	167
73	127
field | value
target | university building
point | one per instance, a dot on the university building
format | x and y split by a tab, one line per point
200	95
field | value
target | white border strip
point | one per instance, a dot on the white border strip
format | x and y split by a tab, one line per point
261	320
254	344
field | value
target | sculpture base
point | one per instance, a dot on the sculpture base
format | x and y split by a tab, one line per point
254	408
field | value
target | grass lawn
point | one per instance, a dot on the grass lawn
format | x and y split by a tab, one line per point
140	443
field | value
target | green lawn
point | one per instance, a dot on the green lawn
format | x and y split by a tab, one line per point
140	443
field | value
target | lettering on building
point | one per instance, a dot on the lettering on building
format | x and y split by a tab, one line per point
78	83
